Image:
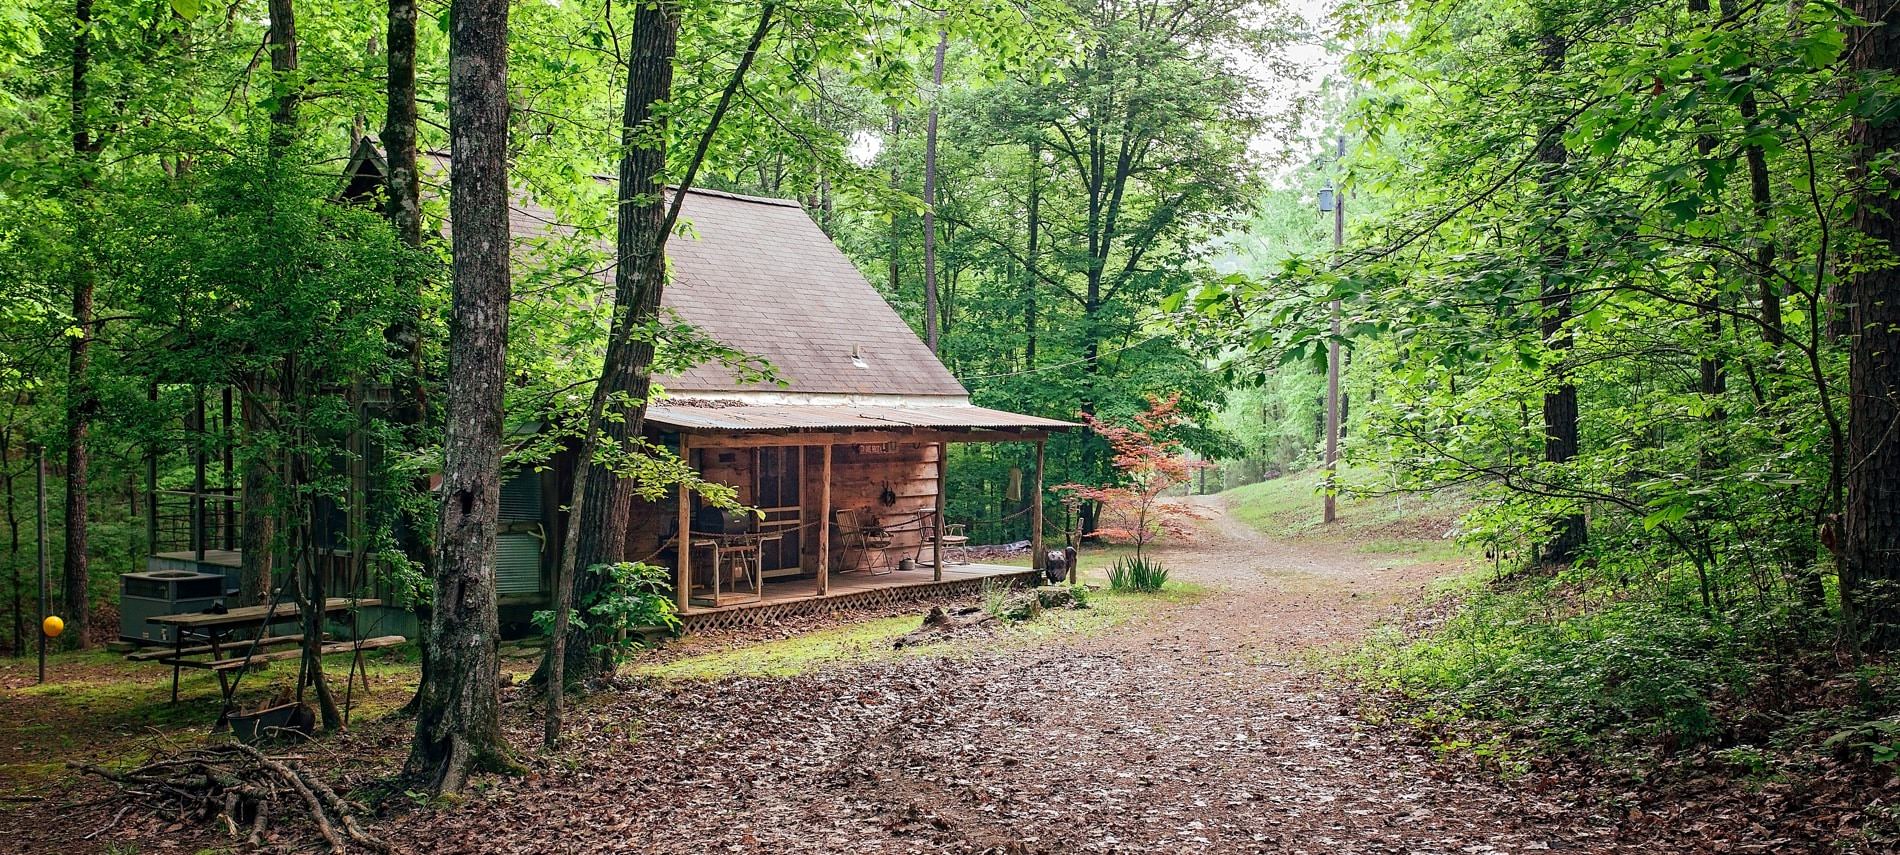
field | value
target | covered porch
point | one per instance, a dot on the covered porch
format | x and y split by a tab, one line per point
850	506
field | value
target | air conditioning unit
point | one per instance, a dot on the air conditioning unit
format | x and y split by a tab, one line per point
163	592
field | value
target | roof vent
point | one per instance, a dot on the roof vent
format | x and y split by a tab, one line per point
857	357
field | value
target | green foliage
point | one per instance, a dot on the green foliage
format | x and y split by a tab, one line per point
630	600
1573	663
1137	573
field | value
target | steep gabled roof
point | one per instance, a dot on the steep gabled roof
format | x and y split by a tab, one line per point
759	276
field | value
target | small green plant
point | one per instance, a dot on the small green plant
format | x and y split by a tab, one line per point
1137	573
1877	740
995	598
1081	594
630	597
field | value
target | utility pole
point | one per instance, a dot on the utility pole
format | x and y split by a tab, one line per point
1332	354
39	484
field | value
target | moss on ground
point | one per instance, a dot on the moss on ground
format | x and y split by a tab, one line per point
871	641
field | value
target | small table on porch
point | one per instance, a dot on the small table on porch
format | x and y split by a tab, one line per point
744	551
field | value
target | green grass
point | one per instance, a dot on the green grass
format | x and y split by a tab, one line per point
870	641
97	707
1411	528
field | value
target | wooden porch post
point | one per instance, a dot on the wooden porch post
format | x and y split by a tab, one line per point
824	520
943	468
1036	552
682	579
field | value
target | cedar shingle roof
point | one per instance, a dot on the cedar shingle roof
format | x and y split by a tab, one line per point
759	276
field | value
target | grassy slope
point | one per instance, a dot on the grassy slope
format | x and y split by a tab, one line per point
1410	528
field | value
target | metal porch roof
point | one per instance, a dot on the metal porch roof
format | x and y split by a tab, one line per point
716	416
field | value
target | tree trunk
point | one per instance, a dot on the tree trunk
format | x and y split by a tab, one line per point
16	580
894	263
1030	256
1870	543
932	326
283	66
458	728
404	208
602	510
1560	404
258	546
602	505
80	401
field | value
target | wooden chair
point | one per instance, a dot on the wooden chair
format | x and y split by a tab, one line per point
956	544
870	541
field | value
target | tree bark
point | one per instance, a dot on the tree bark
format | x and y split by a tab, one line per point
1869	563
16	580
1030	256
601	510
894	263
80	400
600	513
1560	404
932	325
258	546
458	728
403	206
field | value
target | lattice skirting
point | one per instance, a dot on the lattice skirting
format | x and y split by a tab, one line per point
755	614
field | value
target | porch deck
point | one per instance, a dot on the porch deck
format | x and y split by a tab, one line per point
787	597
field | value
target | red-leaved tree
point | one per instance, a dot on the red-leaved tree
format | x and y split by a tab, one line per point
1147	465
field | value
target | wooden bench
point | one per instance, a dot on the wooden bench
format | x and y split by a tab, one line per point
329	648
199	650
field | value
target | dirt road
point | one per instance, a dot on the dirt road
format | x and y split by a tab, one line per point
1197	730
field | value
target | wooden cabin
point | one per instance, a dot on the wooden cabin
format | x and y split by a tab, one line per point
842	453
842	456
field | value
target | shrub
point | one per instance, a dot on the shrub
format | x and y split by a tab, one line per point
630	600
1137	573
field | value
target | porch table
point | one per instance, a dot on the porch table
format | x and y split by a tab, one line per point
744	549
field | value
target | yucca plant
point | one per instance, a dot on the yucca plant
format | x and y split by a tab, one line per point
1137	573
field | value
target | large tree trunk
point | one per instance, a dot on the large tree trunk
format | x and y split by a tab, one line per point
626	375
932	324
599	520
1870	546
80	401
1560	404
404	208
458	728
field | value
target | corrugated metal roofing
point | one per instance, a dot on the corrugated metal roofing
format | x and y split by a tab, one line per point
764	417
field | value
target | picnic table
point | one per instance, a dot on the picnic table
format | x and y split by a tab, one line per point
210	634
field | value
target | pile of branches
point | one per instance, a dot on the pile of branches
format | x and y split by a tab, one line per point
241	787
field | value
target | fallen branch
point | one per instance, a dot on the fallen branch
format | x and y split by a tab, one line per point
237	785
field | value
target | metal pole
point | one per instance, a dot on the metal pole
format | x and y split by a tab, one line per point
1332	355
39	484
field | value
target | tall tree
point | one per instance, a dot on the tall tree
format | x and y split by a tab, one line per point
458	726
933	323
1870	542
1557	297
81	401
602	503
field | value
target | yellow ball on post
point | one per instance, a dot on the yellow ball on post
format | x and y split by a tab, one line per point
52	626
